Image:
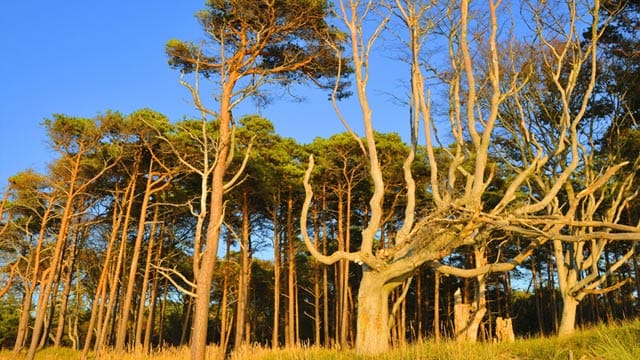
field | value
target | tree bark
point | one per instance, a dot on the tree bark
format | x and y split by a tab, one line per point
372	335
216	212
317	294
47	286
150	188
436	305
101	291
34	262
138	340
153	297
64	301
568	319
277	257
243	277
291	277
225	324
104	325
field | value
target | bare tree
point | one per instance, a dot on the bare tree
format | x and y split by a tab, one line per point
460	214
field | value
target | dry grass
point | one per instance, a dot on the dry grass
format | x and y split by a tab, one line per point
615	342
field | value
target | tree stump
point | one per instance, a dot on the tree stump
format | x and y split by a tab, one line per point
504	330
461	314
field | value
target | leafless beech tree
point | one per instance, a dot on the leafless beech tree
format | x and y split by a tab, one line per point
533	204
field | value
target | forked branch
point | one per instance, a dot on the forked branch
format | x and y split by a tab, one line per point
358	257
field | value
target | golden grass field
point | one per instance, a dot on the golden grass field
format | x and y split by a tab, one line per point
615	342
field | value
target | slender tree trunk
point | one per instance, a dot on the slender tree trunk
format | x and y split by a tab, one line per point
138	340
244	276
225	328
419	303
609	301
341	326
154	294
64	301
436	305
107	320
536	294
150	188
291	276
34	261
48	285
325	271
344	321
552	290
187	320
636	269
276	272
316	279
163	312
100	297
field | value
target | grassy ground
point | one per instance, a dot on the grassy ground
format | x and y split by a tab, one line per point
619	342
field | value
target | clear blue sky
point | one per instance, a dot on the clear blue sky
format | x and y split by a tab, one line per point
82	58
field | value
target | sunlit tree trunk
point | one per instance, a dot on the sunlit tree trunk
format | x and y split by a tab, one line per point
31	285
225	322
291	340
243	277
317	294
140	318
114	282
48	285
153	297
155	182
277	257
67	285
99	300
325	270
373	315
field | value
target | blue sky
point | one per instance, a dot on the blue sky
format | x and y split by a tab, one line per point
82	58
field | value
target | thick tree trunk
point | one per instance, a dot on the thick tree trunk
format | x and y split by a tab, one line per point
479	308
207	263
373	315
568	320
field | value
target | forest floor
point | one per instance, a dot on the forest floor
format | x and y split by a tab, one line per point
615	342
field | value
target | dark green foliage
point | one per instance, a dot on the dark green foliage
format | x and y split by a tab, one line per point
283	41
9	318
